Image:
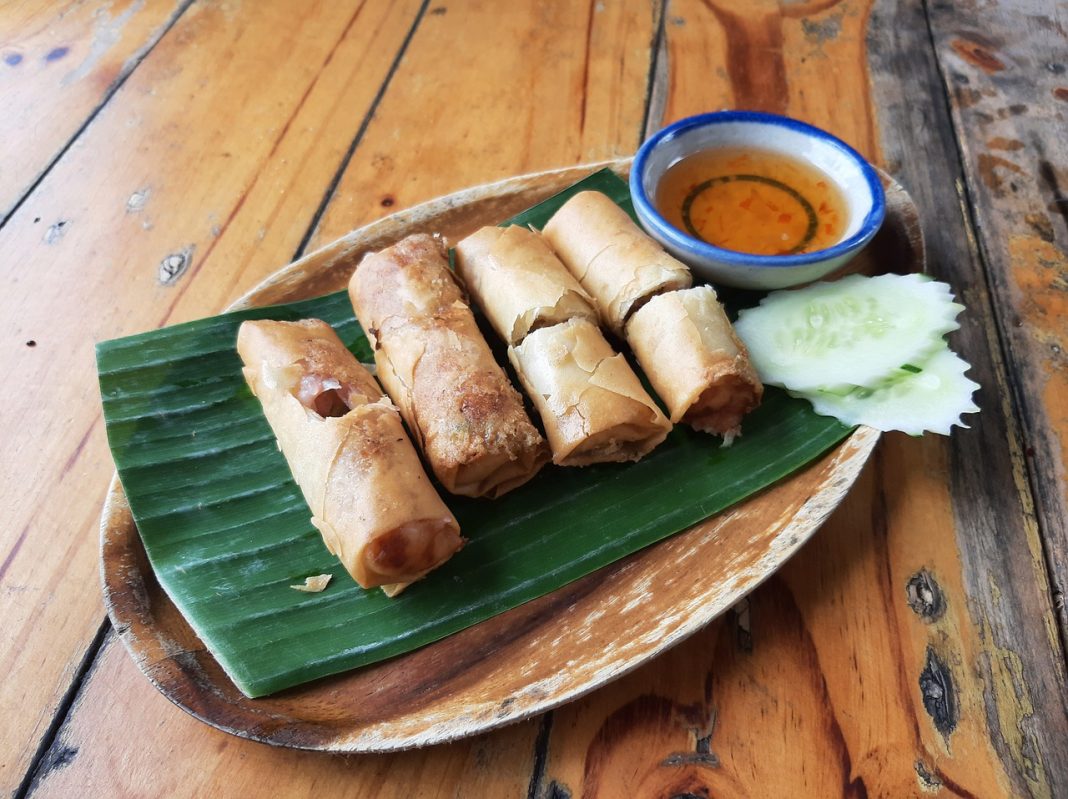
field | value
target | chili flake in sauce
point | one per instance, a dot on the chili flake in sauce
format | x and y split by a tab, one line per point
753	201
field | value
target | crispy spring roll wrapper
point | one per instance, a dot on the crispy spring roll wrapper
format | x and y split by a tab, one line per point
612	258
687	348
592	405
409	280
347	450
464	413
519	282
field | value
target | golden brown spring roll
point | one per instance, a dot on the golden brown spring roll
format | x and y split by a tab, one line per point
433	361
592	405
410	280
686	346
347	449
519	282
612	258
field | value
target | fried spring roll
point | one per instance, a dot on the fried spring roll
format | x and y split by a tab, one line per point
347	450
612	258
686	346
519	282
592	405
435	364
410	280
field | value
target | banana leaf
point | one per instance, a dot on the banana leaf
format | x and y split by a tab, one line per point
227	530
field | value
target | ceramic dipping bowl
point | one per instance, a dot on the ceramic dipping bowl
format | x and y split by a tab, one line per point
856	179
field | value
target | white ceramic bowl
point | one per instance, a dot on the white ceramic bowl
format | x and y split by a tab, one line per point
855	177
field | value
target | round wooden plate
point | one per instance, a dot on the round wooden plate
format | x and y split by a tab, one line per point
529	659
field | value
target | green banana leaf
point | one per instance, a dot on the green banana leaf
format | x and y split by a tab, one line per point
227	530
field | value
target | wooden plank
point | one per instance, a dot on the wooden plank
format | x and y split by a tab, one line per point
805	60
892	656
200	177
1019	657
611	44
124	739
1006	76
59	62
750	707
538	87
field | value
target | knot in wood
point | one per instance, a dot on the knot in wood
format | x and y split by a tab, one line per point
939	694
55	232
925	596
173	266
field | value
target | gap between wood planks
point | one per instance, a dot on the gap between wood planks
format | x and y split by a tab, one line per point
45	758
541	756
656	84
89	658
1019	418
127	70
331	189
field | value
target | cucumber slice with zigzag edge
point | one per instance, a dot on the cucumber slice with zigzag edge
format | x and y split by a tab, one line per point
929	400
857	331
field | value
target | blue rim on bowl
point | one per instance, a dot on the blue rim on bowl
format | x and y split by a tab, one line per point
868	227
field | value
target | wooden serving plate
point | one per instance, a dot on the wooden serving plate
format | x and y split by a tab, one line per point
531	658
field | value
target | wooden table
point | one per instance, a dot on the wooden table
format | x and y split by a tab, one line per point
160	157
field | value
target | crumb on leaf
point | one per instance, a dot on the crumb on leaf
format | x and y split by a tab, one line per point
314	584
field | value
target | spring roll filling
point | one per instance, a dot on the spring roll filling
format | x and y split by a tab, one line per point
722	406
415	546
686	345
328	396
621	443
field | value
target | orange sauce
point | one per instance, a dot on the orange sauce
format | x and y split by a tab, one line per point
752	201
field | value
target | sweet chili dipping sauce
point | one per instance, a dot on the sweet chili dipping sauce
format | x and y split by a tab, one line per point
752	201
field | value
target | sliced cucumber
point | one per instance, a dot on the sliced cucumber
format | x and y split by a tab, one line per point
857	331
931	399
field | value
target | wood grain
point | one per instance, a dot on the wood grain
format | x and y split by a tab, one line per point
743	709
1012	641
804	59
253	129
124	741
845	674
1007	83
59	62
542	86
